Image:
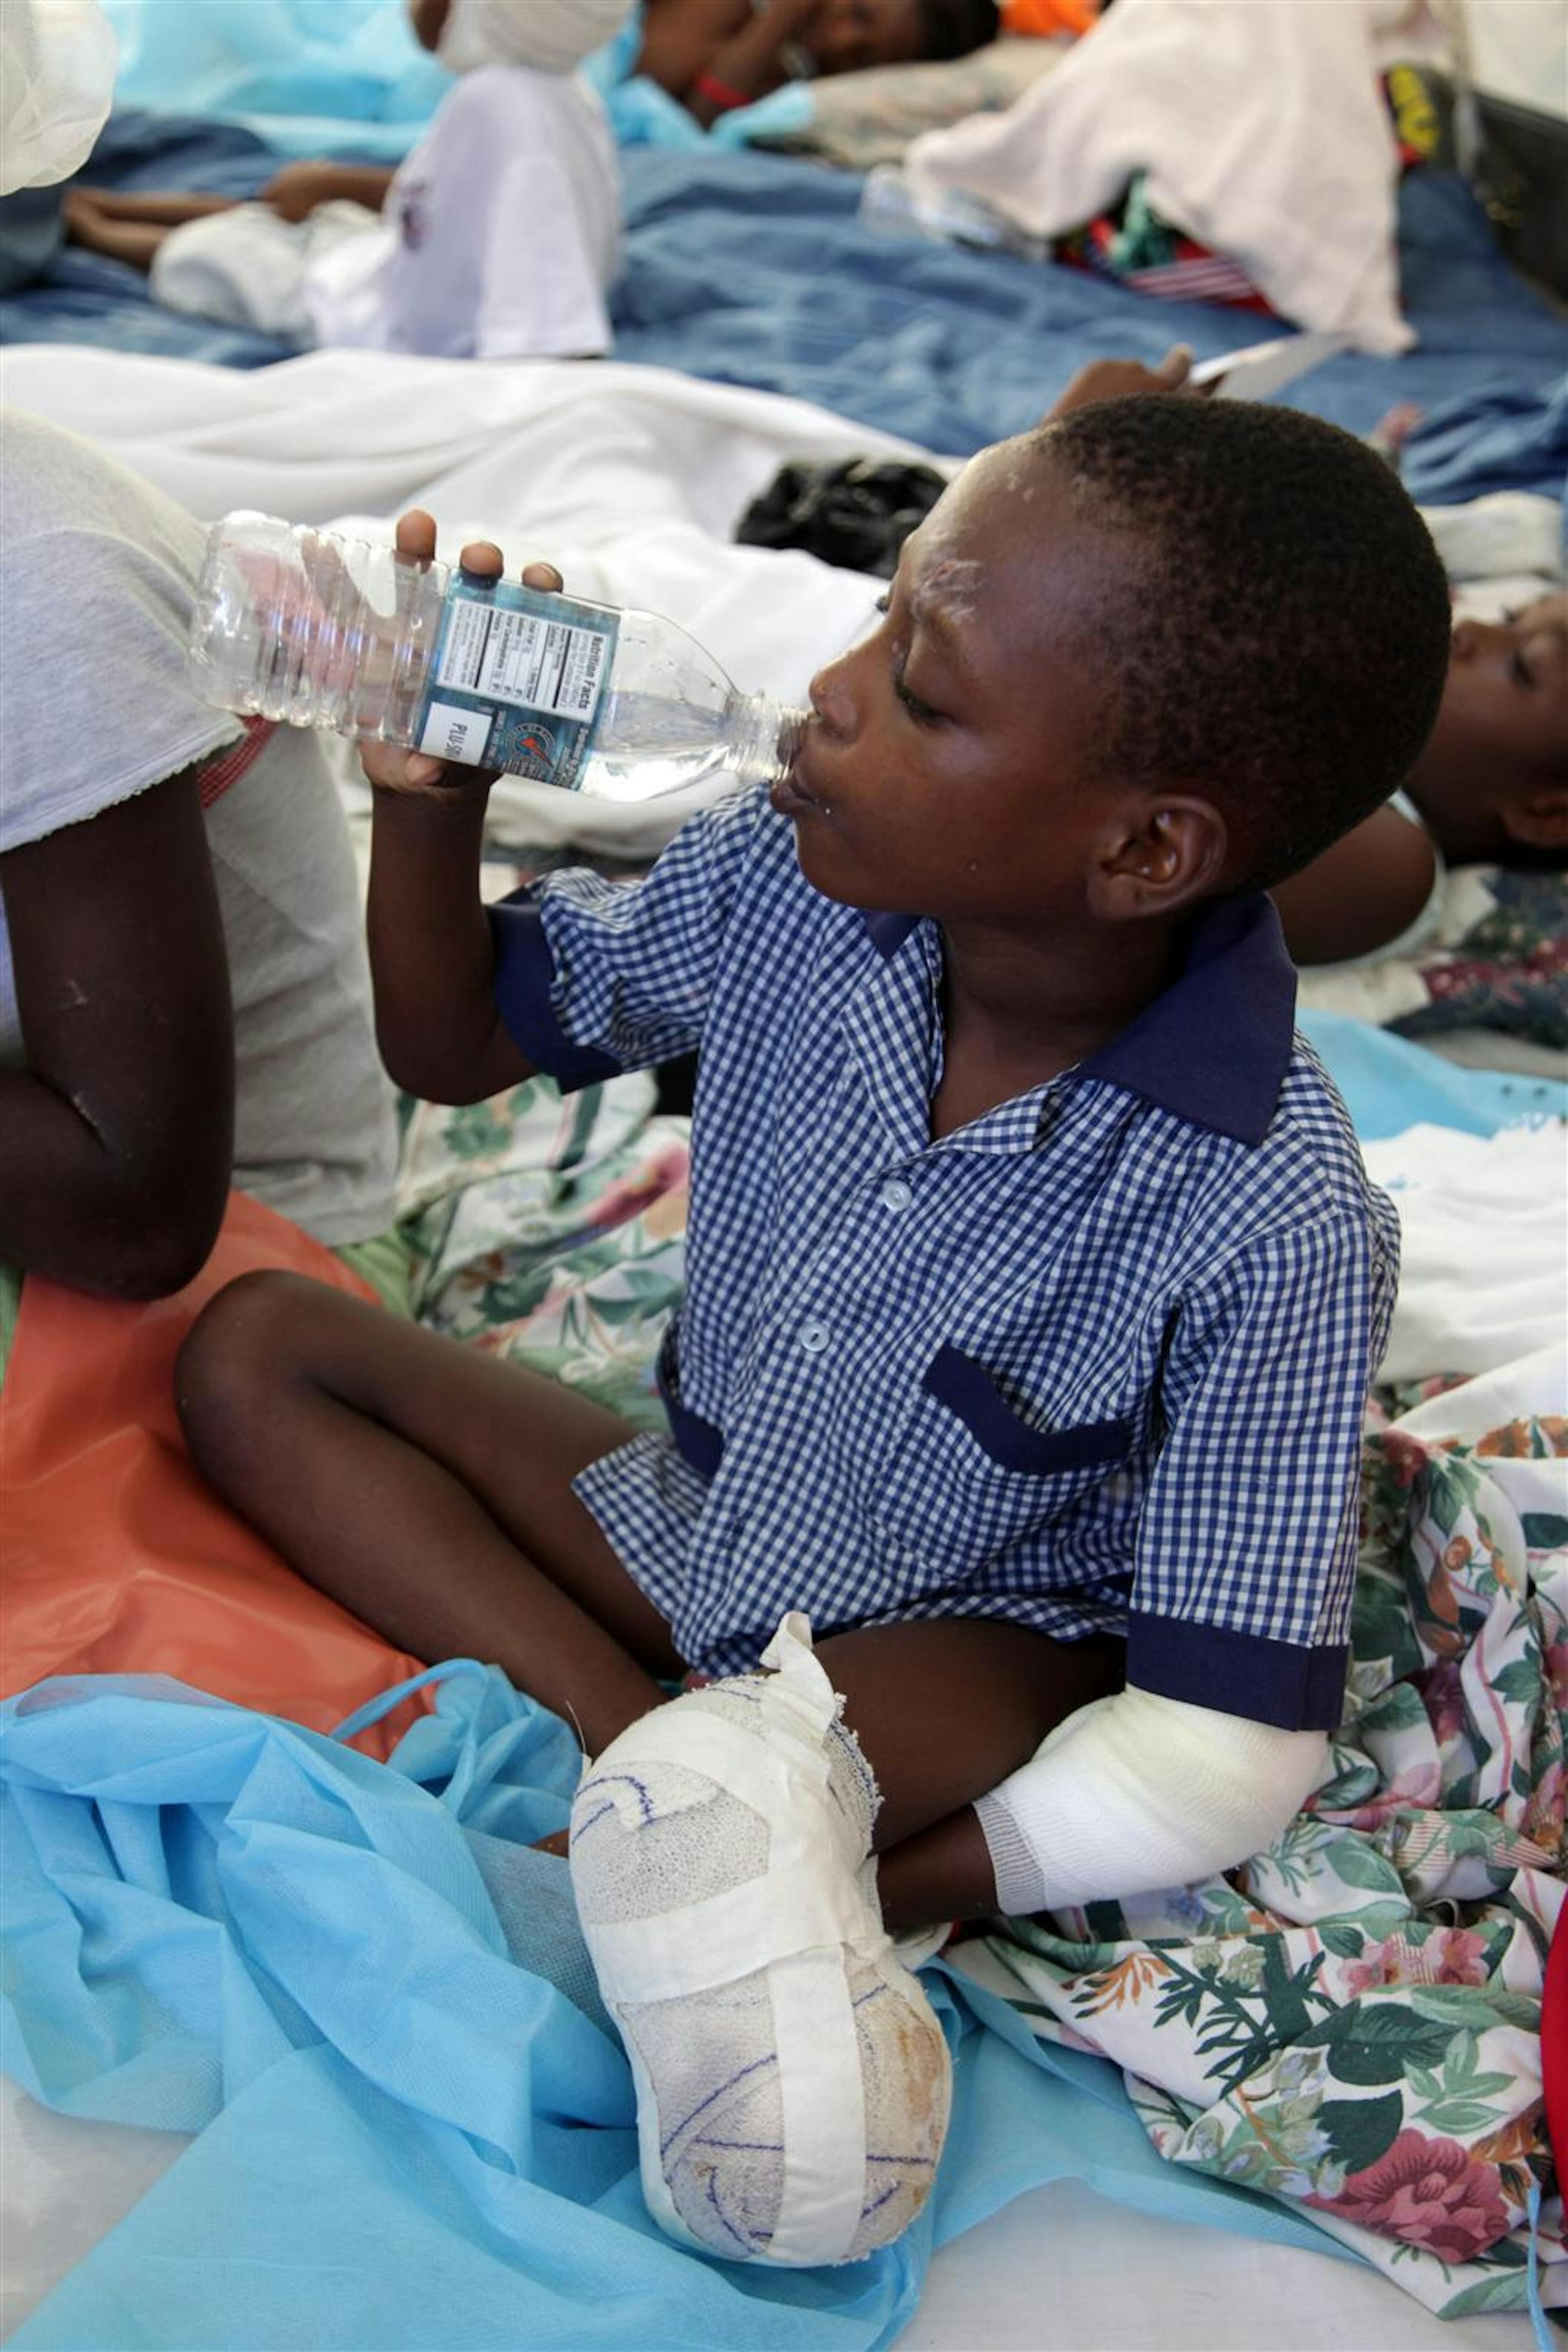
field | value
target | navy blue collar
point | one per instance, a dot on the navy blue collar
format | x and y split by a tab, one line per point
1215	1045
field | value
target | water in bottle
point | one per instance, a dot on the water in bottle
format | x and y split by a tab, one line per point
305	626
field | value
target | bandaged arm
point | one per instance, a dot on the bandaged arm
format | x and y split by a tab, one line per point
1135	1792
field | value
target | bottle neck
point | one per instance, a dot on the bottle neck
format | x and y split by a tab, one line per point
763	737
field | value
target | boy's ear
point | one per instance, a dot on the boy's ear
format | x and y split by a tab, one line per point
1159	860
1538	819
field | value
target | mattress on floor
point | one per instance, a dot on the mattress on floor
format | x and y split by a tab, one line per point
756	270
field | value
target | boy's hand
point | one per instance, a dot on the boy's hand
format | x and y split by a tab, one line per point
1121	379
387	767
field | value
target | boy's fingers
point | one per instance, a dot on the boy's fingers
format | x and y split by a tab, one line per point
395	770
416	535
482	555
1176	365
541	575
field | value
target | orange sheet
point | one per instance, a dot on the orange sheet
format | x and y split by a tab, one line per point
1048	17
117	1557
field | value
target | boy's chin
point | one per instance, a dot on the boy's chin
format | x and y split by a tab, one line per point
834	874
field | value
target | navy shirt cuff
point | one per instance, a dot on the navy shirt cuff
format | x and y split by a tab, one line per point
525	978
1282	1683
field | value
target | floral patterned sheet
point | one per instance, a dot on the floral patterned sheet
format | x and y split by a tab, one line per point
1496	960
1352	2020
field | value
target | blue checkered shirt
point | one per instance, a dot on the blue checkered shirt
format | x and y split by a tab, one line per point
1095	1363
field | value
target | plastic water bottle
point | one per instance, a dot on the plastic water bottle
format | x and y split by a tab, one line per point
321	631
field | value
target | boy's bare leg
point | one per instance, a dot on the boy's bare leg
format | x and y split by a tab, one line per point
944	1709
427	1487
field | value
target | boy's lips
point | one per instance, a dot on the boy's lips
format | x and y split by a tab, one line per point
793	796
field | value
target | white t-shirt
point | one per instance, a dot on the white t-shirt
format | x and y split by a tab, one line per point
97	574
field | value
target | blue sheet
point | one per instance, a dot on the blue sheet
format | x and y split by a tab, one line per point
310	75
755	269
1390	1083
373	2006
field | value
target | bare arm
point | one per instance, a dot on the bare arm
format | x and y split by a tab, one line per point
684	41
117	1136
299	188
432	960
428	20
1361	895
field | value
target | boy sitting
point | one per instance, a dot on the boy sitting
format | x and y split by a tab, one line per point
1036	1283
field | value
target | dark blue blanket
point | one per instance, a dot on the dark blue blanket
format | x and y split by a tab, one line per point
755	269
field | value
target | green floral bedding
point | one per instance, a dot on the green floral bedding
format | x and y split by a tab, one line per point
1350	2022
554	1230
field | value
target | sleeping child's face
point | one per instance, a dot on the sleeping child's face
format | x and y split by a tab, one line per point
945	769
848	35
1495	770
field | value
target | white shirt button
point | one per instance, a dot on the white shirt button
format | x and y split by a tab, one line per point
896	1193
814	1337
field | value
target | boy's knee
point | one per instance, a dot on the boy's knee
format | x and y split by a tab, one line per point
238	1356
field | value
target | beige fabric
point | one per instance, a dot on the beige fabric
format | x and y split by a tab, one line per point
57	79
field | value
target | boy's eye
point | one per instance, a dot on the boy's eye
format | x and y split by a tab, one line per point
920	712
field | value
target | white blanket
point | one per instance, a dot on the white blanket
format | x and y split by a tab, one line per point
1483	1255
1262	128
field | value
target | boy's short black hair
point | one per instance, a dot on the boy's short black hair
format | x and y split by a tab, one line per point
951	29
1284	647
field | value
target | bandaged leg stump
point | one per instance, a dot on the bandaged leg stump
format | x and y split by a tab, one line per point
792	2083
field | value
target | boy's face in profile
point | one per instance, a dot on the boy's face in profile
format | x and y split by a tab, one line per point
946	770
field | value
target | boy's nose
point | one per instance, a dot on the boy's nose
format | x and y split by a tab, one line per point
829	697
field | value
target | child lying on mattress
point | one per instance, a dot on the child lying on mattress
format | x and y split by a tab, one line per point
716	55
498	232
184	1000
1035	1281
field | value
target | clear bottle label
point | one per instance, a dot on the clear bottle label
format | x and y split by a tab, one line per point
518	680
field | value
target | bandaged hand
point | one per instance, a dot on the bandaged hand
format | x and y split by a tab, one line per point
1137	1792
389	768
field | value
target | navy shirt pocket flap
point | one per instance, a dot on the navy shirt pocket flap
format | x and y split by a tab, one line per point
967	1389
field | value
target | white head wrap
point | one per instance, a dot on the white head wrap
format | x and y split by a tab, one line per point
553	36
57	79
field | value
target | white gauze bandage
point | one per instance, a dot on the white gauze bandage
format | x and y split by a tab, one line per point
551	35
792	2081
1135	1792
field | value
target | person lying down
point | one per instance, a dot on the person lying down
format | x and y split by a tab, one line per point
496	238
715	56
1000	1546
